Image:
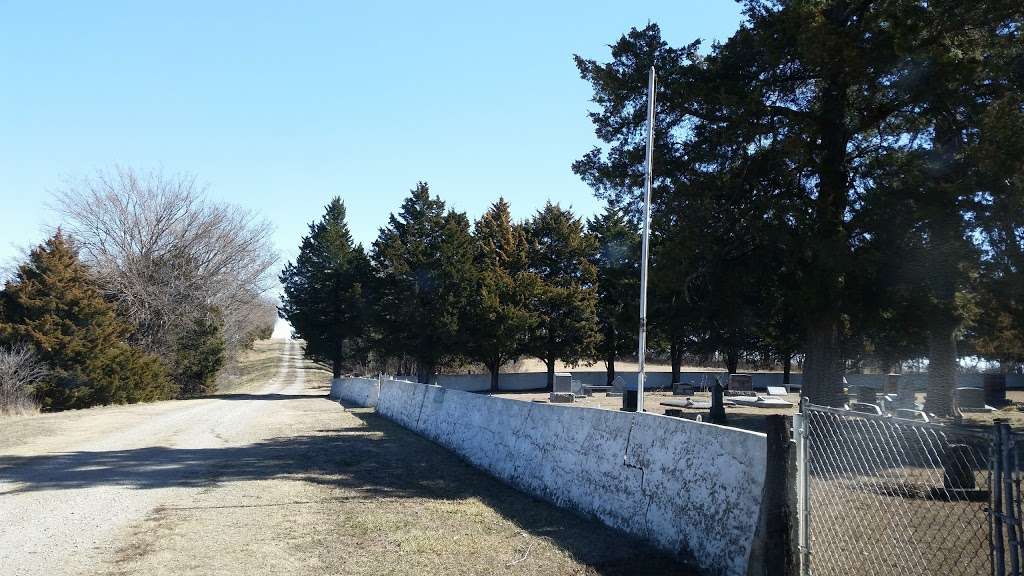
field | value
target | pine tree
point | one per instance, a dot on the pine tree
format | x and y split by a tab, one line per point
200	354
53	304
617	261
498	316
325	291
423	262
560	255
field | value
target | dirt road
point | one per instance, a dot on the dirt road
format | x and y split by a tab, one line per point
275	479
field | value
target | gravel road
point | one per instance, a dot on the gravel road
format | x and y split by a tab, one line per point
273	480
76	487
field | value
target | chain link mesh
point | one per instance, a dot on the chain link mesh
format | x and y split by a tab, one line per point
895	497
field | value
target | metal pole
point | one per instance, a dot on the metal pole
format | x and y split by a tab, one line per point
642	356
803	502
1010	516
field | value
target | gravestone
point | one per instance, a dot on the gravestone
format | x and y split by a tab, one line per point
957	472
717	415
969	399
563	383
866	394
906	393
892	384
741	383
562	398
995	389
680	389
618	386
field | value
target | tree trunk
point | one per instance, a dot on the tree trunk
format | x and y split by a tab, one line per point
823	368
494	368
610	367
829	243
941	366
551	374
676	354
424	373
336	368
732	360
943	258
787	368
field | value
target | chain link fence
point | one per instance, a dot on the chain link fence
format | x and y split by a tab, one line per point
886	496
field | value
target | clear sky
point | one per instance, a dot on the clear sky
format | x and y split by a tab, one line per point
278	106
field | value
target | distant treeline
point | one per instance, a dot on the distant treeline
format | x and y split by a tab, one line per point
840	183
143	293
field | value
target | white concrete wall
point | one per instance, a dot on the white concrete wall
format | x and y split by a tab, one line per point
359	391
688	487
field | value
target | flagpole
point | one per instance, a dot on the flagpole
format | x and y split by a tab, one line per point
642	356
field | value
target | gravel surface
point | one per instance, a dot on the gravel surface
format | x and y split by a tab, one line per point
273	479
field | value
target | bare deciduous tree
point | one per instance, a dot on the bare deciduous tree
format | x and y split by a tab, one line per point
20	369
169	255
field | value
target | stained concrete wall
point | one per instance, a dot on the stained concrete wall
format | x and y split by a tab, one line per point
359	391
688	487
654	380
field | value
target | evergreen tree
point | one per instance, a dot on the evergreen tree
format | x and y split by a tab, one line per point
200	354
53	304
617	262
560	255
325	291
499	316
423	262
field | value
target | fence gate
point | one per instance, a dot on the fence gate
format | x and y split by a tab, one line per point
887	496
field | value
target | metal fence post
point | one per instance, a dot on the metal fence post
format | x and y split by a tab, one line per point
996	504
1009	515
803	536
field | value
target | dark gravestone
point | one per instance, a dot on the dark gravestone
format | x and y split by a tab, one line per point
995	389
629	400
957	473
741	383
717	415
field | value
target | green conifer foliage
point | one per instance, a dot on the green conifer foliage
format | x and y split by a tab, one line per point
423	261
499	316
53	304
325	291
560	256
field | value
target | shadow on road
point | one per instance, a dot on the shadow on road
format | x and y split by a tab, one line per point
250	396
372	458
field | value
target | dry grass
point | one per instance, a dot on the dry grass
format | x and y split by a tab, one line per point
408	506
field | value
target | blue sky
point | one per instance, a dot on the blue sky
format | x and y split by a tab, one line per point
280	106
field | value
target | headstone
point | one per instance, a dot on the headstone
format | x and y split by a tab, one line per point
562	398
563	383
741	383
680	389
995	389
970	398
777	391
957	473
629	400
618	386
906	393
866	394
717	415
892	384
